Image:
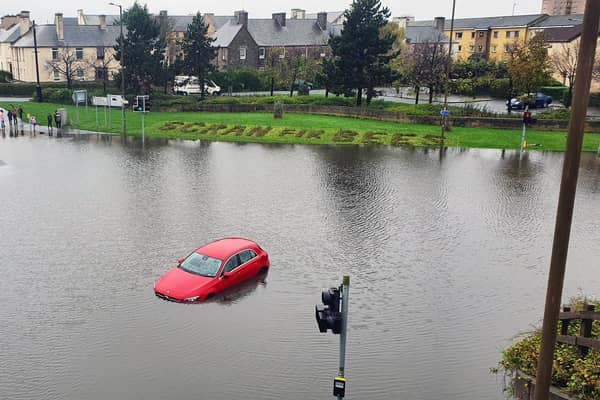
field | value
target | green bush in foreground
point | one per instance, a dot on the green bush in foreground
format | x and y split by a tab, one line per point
575	375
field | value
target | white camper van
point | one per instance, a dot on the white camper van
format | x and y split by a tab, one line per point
190	85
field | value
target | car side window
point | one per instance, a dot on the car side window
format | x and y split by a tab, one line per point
232	264
246	256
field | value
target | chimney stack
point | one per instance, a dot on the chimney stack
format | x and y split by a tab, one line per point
438	23
209	20
298	13
58	22
102	18
322	20
241	17
80	17
279	18
9	21
163	20
24	21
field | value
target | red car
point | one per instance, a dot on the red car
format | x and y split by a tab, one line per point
211	269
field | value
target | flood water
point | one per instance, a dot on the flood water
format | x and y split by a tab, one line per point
448	259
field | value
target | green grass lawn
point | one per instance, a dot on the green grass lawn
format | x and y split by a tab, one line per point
303	129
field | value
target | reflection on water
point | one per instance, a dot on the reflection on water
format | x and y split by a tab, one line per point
447	253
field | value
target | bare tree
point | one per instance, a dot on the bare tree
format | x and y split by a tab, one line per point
101	64
564	61
424	66
66	63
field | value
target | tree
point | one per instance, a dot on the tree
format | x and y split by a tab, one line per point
143	48
399	50
425	66
361	53
564	61
198	52
66	63
272	67
101	64
528	64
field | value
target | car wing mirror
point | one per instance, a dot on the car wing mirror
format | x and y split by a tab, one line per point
180	260
227	274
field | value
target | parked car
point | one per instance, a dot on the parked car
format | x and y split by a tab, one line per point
537	100
190	85
211	269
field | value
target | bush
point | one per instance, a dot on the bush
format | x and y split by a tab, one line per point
559	113
5	76
239	79
27	88
595	99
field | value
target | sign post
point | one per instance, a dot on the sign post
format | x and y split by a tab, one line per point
79	96
142	104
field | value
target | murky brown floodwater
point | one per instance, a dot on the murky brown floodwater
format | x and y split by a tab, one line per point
448	261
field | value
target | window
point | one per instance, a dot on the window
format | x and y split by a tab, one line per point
506	48
480	48
232	264
481	33
80	75
242	53
516	34
261	53
471	48
459	47
100	53
224	55
246	256
101	73
458	35
200	264
54	53
495	34
56	75
508	34
493	49
79	53
472	35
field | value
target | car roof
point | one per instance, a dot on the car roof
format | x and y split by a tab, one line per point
224	248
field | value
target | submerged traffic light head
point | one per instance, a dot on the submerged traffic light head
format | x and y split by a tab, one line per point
328	314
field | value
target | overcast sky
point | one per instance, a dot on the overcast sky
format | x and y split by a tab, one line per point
43	11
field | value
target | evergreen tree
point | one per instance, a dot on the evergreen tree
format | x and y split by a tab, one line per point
198	51
363	50
143	49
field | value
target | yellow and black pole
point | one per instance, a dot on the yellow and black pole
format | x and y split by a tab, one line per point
339	383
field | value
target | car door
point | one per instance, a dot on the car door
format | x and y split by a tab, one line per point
249	264
231	266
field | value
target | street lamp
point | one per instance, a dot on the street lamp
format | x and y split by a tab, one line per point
122	42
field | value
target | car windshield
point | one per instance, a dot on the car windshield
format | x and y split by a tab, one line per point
200	264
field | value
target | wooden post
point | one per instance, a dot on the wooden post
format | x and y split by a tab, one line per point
586	330
566	200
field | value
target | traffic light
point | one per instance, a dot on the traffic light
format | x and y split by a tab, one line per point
141	104
527	118
328	314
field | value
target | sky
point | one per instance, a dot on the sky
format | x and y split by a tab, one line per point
43	11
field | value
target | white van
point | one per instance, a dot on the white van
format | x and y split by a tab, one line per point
190	85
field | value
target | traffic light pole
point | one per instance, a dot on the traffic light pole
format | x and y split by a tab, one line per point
345	294
143	113
523	140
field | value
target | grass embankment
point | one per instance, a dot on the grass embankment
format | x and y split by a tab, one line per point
303	129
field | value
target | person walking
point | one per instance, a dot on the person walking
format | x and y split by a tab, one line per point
57	121
10	119
49	117
2	123
33	123
20	112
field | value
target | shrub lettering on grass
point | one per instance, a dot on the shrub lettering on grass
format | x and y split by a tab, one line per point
192	127
345	136
374	138
171	126
212	129
259	131
302	133
237	130
400	139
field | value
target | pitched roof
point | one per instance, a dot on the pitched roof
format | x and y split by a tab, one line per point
563	34
332	16
424	34
75	36
559	21
95	19
181	22
487	22
226	34
11	34
296	32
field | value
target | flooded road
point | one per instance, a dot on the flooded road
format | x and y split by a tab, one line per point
448	259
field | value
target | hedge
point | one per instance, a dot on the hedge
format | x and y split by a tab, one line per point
556	92
27	88
595	99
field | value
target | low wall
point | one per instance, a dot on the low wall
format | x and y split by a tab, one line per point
524	389
592	126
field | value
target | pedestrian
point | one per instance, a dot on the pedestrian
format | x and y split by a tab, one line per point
20	112
49	117
33	123
2	123
57	121
10	119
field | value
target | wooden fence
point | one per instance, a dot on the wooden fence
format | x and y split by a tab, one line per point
584	341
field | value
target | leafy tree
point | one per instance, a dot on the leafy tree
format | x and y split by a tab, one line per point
272	67
399	49
66	64
143	48
198	51
361	53
425	66
528	64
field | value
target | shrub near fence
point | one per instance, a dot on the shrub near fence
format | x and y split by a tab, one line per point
26	89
